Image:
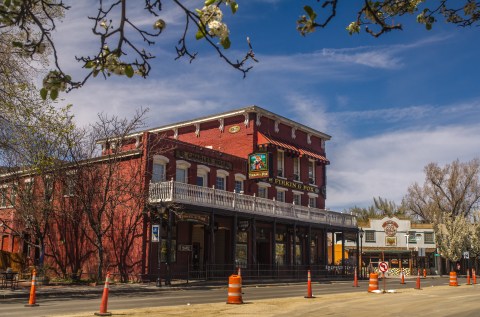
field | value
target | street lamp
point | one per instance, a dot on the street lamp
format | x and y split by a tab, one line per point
361	252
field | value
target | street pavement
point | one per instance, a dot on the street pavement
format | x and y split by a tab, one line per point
433	299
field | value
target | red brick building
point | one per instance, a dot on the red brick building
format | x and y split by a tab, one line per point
244	188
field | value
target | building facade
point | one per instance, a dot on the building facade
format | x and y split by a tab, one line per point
404	245
241	189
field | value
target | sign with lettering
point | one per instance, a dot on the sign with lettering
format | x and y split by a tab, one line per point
258	165
185	216
293	185
204	159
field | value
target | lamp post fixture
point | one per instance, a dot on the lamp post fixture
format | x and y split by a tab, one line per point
361	252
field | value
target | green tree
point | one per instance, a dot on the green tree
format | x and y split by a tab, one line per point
381	208
452	234
123	41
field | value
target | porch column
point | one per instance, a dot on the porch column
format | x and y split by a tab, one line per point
343	253
294	244
274	245
254	241
234	241
168	276
309	248
212	240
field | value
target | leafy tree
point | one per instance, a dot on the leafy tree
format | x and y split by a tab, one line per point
119	32
381	208
452	190
452	234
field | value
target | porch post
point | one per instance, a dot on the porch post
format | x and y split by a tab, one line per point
168	277
234	241
274	245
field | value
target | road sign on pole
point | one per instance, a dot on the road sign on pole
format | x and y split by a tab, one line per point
383	266
466	255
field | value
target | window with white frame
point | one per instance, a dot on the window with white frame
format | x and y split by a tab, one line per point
239	183
280	193
29	186
280	163
297	198
429	237
312	200
370	236
181	174
70	183
159	168
296	168
263	189
202	175
221	181
311	171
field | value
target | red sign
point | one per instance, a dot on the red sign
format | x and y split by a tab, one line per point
383	266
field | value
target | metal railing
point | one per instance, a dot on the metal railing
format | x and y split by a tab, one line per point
172	191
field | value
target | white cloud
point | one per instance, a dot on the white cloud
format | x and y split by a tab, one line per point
385	165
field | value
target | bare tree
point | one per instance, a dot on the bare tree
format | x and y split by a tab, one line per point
452	190
108	189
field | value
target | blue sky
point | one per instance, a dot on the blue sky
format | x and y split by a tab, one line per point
392	105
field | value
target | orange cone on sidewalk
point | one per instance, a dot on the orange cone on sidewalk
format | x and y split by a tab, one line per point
402	277
468	277
309	286
418	281
453	279
355	278
373	282
424	273
474	275
33	299
104	304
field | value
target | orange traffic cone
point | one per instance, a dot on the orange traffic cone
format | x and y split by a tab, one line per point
424	273
355	278
474	275
32	300
239	271
402	277
309	286
103	305
468	277
418	281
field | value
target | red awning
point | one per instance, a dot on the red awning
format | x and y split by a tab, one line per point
314	156
265	140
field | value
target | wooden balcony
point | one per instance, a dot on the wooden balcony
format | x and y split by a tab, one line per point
209	197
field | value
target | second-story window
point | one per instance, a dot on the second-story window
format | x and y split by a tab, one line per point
159	168
202	175
181	174
297	198
263	189
369	235
221	181
13	194
312	202
239	183
311	171
281	193
280	163
296	168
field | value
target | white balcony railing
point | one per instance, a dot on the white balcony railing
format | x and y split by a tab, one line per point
209	197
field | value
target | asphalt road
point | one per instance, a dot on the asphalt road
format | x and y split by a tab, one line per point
198	297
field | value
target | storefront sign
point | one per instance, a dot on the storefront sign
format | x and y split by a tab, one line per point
201	158
258	165
203	219
390	228
294	185
243	225
185	247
